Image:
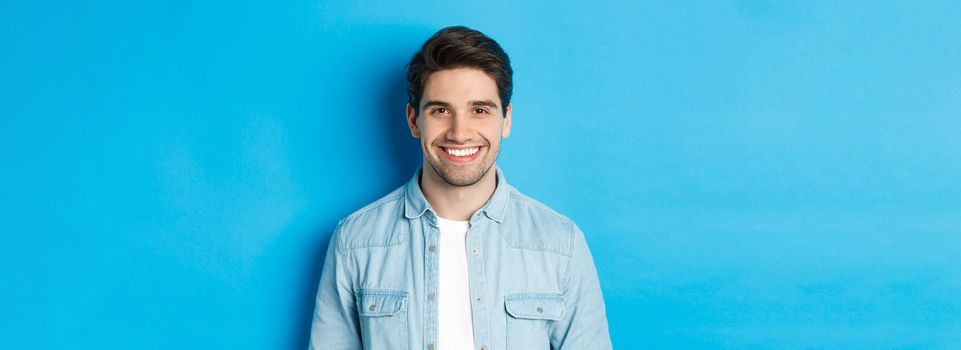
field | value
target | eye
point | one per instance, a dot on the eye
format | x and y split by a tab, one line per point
438	110
481	111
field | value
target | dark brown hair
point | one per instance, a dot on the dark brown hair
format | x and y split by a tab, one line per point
459	47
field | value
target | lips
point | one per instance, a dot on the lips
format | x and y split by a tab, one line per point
461	154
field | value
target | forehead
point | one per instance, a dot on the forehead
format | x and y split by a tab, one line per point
459	85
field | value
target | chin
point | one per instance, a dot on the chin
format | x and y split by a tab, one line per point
461	177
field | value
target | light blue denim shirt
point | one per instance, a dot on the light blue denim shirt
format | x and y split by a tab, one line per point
532	279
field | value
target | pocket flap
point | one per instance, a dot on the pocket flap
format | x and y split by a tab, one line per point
376	303
538	306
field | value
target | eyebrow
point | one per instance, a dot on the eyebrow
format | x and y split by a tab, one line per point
475	103
485	103
431	103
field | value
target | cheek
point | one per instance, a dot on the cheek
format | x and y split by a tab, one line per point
431	132
429	140
493	133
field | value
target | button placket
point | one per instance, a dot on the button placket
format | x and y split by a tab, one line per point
478	283
431	283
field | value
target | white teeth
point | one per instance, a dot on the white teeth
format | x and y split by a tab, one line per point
462	152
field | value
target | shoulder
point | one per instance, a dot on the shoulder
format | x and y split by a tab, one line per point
530	224
529	207
378	224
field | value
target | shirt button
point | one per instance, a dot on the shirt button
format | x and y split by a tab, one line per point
430	296
540	309
430	346
480	300
432	248
475	251
372	307
483	347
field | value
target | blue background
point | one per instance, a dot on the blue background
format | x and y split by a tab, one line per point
749	174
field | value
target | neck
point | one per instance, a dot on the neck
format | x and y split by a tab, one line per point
456	202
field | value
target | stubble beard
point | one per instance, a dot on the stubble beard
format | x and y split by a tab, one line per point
463	176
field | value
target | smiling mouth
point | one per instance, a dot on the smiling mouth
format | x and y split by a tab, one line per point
461	155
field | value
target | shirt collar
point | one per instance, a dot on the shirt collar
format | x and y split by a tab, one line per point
415	204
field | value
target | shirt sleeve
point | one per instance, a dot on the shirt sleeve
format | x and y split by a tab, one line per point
335	324
584	323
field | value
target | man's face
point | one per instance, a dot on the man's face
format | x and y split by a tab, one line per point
460	124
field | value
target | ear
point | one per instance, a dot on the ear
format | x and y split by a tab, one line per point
506	131
412	122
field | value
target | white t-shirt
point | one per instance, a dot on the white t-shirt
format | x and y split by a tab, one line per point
455	327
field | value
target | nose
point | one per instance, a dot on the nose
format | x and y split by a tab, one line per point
459	130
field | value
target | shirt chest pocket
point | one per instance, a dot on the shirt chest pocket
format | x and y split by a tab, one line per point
383	319
528	318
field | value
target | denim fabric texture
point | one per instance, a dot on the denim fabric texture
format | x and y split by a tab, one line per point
532	279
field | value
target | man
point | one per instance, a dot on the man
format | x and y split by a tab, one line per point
457	258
